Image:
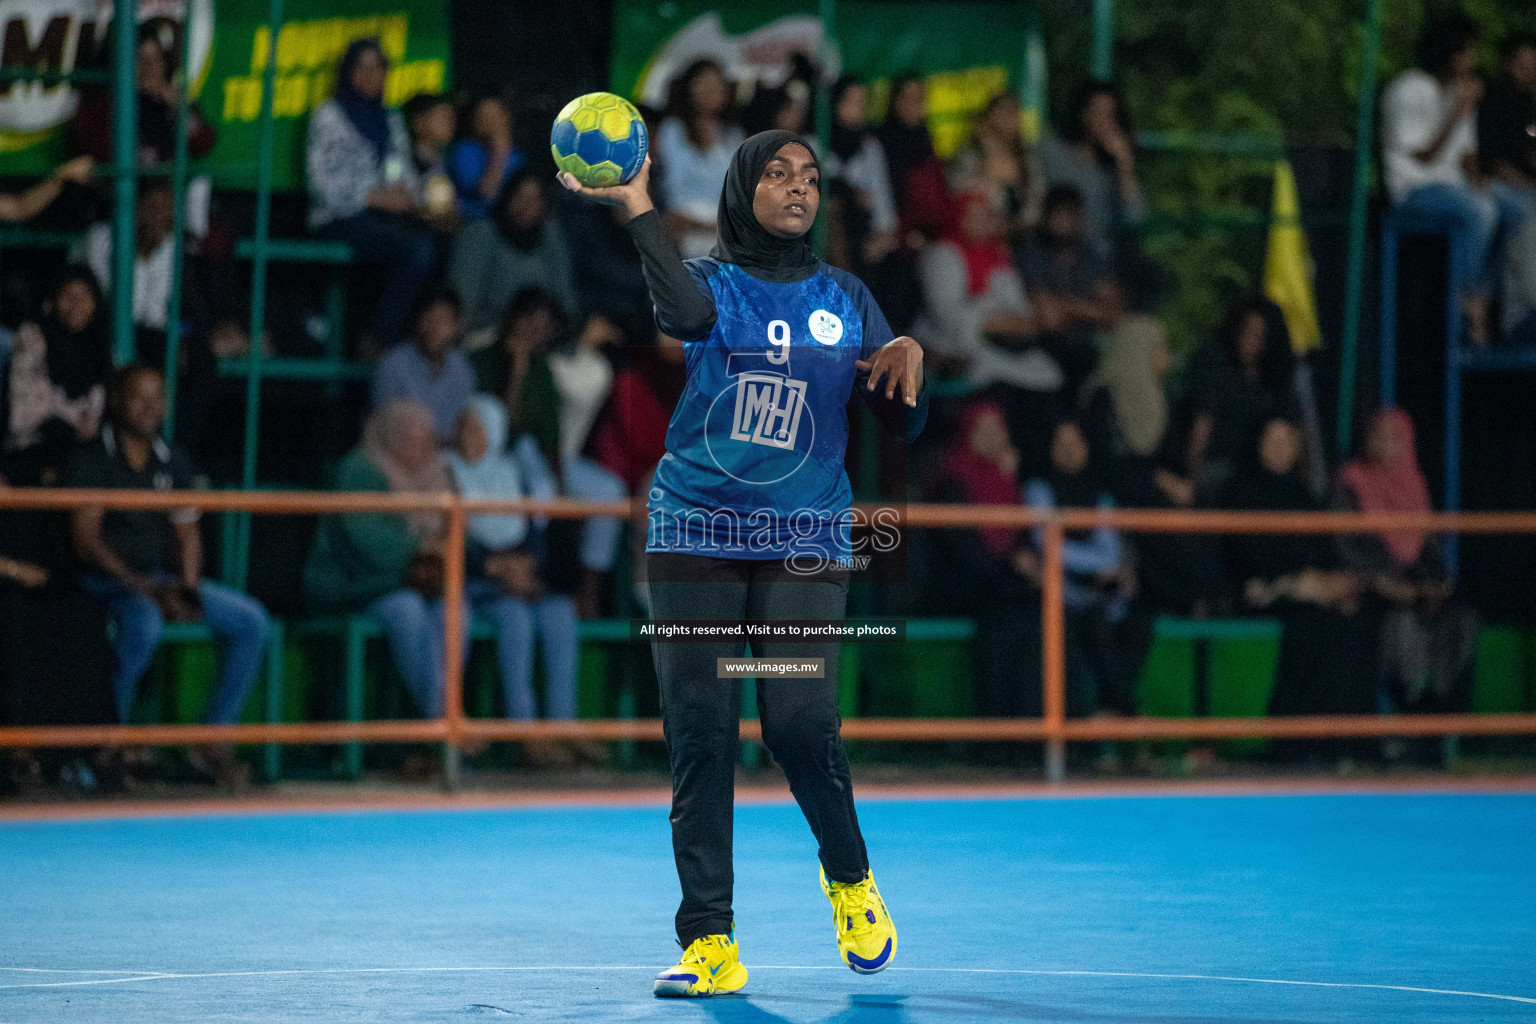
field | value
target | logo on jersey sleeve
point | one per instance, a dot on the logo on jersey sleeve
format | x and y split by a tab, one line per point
826	327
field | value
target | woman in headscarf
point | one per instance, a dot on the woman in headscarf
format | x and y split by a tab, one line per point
504	581
749	515
998	164
695	143
1297	578
362	186
1428	638
992	574
56	391
856	168
518	246
389	565
1107	637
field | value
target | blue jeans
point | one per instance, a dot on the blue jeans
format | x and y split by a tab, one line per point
414	629
410	252
238	620
584	480
554	619
1478	219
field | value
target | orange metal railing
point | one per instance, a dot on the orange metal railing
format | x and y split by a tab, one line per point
454	729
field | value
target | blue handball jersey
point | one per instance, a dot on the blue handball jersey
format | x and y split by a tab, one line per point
755	448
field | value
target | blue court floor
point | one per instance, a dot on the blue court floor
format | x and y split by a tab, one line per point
1154	910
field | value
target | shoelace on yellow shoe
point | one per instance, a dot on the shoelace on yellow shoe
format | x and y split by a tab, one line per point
850	900
697	951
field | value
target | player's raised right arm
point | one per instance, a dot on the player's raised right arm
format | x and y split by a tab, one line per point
683	310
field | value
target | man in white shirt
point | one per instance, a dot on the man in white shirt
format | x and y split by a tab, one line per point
1429	143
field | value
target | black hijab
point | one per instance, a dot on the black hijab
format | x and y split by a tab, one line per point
906	146
366	113
742	240
523	239
846	141
77	360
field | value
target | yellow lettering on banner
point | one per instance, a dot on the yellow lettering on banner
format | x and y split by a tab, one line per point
954	99
261	42
307	52
242	99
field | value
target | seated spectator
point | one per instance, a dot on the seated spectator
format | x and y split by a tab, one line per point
1092	152
155	64
145	567
389	565
918	178
57	388
1233	385
1324	665
786	107
631	436
481	162
855	171
504	584
518	246
1506	117
428	366
1061	268
553	388
1429	152
694	146
431	120
1107	638
1428	638
997	164
992	574
362	187
605	267
977	322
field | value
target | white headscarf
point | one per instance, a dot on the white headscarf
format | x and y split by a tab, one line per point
493	475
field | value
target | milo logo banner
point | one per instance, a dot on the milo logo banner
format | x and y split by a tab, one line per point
229	45
968	52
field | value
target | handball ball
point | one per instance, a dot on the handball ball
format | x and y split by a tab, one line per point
600	138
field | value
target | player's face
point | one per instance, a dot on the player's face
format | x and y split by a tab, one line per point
789	192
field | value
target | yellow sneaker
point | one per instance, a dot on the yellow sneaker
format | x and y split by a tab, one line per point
866	936
709	966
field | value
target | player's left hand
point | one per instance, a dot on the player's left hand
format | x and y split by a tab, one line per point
900	362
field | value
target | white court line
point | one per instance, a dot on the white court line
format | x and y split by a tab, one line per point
162	976
69	970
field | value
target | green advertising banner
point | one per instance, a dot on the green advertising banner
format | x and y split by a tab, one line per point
968	52
228	51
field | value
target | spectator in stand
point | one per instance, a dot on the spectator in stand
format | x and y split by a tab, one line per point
1429	145
57	387
362	187
978	322
1428	638
993	573
1506	118
518	246
998	164
786	107
155	65
605	266
428	367
145	567
854	168
503	559
694	147
1092	152
384	564
481	162
1061	268
431	121
1233	385
1324	655
918	178
553	387
631	437
1107	636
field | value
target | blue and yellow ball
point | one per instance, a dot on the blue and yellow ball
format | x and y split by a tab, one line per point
600	138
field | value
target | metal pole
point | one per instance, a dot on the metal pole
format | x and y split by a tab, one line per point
1103	39
1365	109
455	634
1053	628
125	145
178	223
826	10
258	282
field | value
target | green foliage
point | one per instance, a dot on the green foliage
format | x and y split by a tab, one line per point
1286	70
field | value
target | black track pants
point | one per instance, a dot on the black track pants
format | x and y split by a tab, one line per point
700	713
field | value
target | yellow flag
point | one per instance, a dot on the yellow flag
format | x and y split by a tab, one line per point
1288	267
